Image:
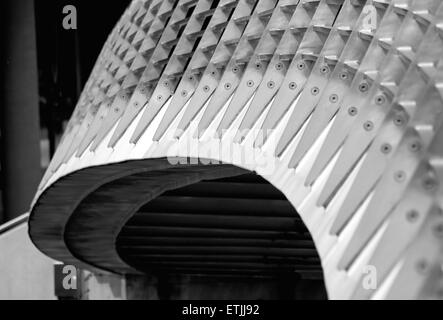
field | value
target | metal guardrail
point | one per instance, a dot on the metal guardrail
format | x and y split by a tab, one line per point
14	223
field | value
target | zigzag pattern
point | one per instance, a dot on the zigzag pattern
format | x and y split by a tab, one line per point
340	100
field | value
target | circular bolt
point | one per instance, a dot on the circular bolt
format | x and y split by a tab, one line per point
250	83
399	120
258	65
235	69
227	86
412	216
292	85
352	111
206	88
315	91
368	125
386	148
166	84
271	84
159	97
301	65
422	266
415	146
279	66
191	77
333	98
184	93
380	100
213	72
343	75
324	69
399	176
363	87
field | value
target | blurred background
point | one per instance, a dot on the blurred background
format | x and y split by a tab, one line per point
43	70
43	67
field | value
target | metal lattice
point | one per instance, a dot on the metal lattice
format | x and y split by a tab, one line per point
342	98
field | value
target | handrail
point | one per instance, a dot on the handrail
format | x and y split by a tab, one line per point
13	223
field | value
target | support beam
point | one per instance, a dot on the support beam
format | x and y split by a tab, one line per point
19	108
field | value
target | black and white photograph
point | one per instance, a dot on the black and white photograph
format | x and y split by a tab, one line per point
220	154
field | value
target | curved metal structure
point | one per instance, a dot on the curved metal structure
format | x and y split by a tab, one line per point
337	103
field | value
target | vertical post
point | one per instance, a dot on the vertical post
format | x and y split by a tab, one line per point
19	107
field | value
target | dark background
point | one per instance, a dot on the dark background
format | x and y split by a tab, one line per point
64	59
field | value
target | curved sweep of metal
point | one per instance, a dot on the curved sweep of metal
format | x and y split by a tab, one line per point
337	103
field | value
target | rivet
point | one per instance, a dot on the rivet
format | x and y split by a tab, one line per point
166	84
352	111
380	100
279	66
271	84
399	176
315	91
116	110
184	93
368	125
146	87
386	148
206	88
258	65
159	97
227	86
399	120
213	72
136	104
343	75
301	65
363	87
333	98
415	146
292	85
250	83
422	266
412	215
190	78
324	69
235	69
